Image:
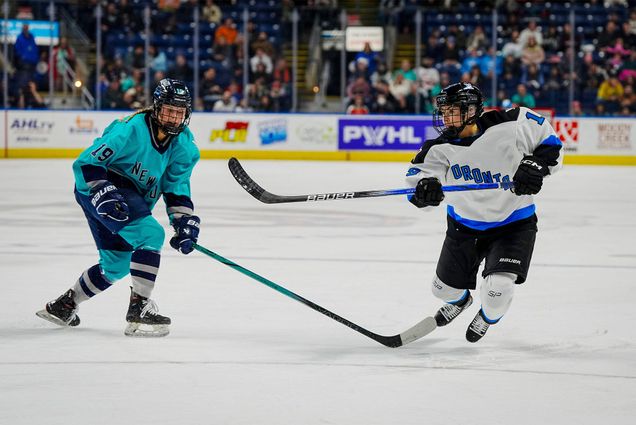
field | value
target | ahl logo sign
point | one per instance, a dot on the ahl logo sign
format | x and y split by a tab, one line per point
234	132
568	132
83	126
32	125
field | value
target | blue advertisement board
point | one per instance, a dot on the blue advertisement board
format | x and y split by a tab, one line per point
42	31
383	134
272	131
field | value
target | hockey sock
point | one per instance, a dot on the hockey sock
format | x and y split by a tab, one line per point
144	266
89	284
447	293
497	290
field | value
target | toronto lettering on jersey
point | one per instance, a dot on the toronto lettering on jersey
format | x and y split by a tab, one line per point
330	196
478	176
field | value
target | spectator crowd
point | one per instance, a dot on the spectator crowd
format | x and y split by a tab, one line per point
222	55
530	59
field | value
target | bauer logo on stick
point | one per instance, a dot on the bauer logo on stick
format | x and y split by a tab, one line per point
330	196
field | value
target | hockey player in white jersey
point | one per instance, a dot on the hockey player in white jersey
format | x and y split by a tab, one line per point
499	226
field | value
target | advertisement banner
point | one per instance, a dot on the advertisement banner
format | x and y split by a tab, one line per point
56	129
239	131
44	133
597	136
314	132
384	133
568	132
262	132
615	136
265	132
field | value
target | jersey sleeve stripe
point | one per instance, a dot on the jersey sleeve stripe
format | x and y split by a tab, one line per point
551	140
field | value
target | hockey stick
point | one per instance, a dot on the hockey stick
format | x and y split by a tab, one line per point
262	195
424	327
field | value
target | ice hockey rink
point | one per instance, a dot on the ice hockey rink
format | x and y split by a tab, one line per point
242	353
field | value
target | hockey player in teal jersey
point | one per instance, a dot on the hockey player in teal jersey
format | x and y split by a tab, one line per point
118	181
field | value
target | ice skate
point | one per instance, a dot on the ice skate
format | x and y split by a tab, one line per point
477	328
449	312
62	311
143	319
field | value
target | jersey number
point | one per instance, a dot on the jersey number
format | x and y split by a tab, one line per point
538	118
104	155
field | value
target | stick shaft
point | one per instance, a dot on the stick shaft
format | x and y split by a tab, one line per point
412	334
254	189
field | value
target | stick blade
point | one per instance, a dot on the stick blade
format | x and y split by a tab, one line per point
242	178
419	330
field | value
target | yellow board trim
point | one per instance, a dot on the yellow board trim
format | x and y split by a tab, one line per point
316	156
599	160
287	155
311	156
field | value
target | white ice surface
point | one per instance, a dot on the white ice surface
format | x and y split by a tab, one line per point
241	353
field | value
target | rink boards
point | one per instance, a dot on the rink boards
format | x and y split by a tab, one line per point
63	134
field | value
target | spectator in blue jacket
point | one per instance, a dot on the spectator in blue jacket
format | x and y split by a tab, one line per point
26	51
370	56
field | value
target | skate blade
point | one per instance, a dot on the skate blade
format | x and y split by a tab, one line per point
140	330
43	314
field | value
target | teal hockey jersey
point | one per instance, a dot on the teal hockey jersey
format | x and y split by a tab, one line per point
128	155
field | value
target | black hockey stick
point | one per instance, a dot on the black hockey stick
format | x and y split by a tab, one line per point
424	327
262	195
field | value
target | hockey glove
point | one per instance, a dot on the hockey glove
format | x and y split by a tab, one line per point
529	176
428	192
186	230
109	202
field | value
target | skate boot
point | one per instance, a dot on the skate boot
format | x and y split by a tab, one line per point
447	313
61	311
478	327
143	319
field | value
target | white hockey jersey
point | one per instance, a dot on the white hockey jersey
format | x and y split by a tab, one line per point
493	155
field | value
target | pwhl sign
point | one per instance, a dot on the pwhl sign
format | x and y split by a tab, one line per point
385	134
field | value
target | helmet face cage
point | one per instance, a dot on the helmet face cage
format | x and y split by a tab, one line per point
171	93
464	96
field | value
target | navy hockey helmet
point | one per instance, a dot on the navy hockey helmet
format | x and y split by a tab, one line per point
174	93
469	103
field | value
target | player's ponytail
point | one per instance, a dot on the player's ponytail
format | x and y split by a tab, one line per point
137	112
